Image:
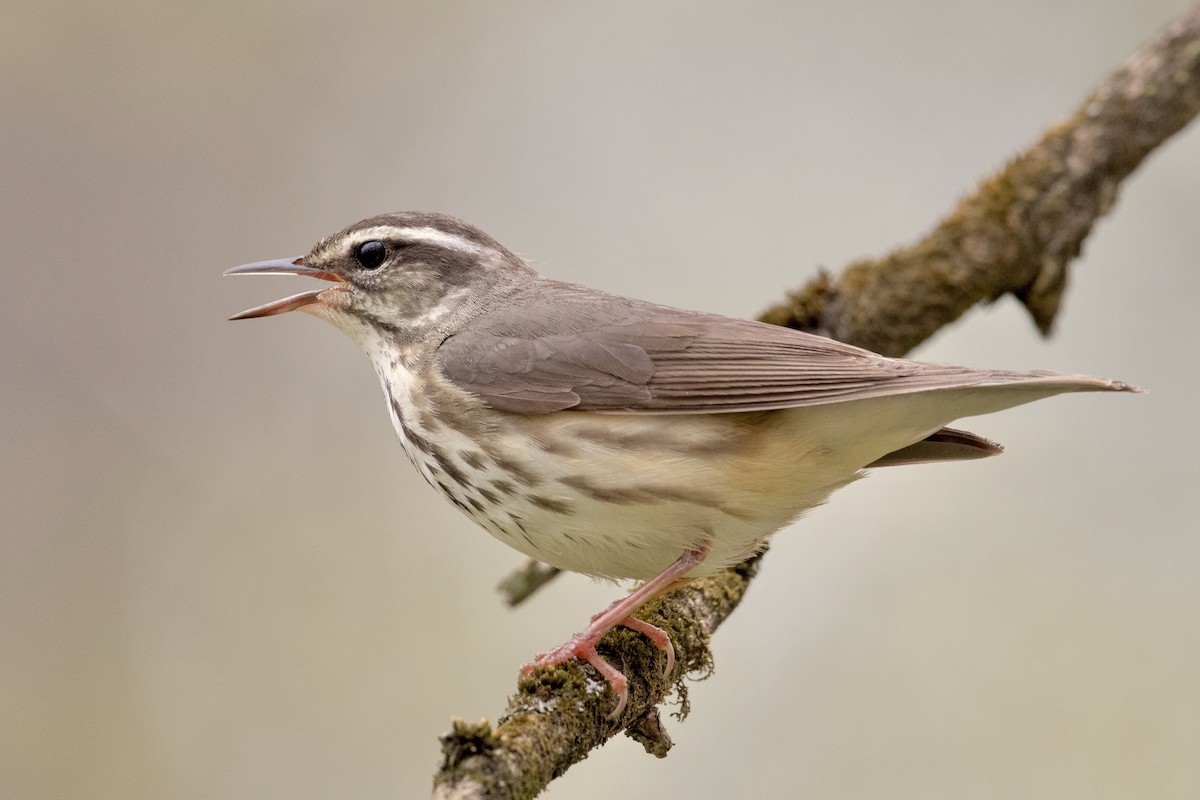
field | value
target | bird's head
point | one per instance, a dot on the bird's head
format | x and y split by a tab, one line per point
407	275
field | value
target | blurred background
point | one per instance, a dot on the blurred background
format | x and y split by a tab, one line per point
221	578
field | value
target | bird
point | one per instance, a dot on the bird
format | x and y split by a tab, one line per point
616	437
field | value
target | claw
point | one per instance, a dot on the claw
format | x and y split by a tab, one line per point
616	680
656	635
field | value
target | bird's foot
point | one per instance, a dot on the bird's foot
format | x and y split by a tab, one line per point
583	646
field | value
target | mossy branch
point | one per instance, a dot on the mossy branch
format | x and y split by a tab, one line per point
1018	231
558	715
517	586
1015	234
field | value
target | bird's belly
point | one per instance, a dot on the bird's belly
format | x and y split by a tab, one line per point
623	496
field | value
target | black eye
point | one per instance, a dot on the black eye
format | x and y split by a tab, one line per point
371	255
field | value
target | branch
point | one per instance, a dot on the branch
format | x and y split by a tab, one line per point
518	585
559	714
1018	231
1015	235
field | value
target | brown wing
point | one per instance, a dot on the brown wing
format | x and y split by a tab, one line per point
557	346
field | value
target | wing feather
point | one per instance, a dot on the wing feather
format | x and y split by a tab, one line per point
557	346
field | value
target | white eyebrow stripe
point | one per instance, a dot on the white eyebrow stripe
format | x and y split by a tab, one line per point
426	234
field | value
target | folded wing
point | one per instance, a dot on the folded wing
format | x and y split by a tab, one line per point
561	347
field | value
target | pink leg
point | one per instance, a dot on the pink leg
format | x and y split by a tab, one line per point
583	644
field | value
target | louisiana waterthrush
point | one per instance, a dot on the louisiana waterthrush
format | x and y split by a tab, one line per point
616	437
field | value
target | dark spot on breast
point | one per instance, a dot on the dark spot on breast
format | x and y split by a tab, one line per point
449	467
645	494
478	506
517	472
524	533
471	458
605	494
452	497
504	487
550	504
488	494
418	441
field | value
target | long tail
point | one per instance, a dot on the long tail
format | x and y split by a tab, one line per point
994	391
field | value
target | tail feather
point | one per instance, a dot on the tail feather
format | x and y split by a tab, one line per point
1058	382
948	444
908	427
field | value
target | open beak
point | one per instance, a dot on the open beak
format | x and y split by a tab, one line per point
283	266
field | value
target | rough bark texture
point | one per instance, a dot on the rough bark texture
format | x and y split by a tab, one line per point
1020	229
1015	234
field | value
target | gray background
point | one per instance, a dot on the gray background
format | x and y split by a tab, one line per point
220	577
